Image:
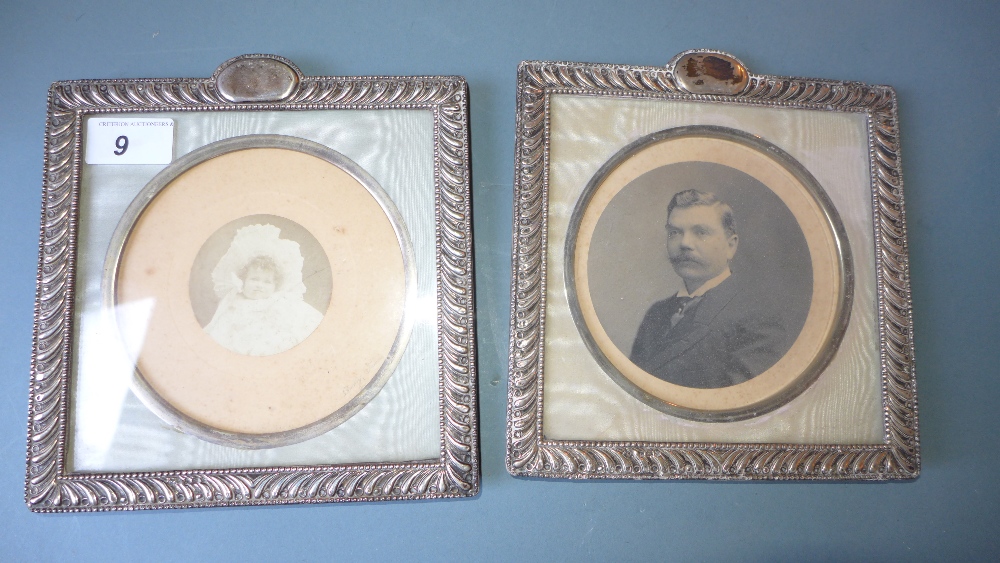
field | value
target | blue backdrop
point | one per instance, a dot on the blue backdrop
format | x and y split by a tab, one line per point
944	61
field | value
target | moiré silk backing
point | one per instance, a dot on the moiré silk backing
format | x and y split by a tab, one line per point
581	402
112	431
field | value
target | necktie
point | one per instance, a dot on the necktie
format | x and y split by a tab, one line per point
684	305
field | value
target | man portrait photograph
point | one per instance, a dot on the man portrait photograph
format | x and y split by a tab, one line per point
720	328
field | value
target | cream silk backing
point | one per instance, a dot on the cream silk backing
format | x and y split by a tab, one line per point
111	430
581	402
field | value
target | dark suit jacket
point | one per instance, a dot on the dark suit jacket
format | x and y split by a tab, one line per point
730	336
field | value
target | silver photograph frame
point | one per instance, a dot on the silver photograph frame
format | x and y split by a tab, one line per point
245	84
531	454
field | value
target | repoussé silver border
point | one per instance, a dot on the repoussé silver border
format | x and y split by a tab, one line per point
530	453
51	487
119	240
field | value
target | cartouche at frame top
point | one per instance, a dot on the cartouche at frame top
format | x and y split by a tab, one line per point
255	288
709	276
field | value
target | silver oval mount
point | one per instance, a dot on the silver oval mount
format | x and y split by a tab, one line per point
257	78
704	71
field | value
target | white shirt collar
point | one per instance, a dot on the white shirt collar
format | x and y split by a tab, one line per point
710	284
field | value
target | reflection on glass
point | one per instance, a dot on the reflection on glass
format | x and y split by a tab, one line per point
102	402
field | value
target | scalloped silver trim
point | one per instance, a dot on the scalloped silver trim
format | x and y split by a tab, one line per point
529	453
49	487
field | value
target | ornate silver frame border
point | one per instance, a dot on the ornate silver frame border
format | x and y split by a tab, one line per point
50	487
530	454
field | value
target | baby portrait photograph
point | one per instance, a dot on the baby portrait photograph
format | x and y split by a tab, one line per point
260	285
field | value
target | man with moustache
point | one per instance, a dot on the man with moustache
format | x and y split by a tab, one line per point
715	332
